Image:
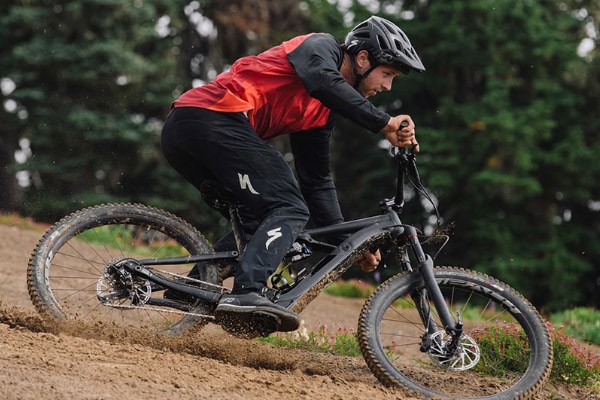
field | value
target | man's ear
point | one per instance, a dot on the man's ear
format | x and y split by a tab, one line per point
362	60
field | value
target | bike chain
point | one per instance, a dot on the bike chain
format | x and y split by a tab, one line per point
222	289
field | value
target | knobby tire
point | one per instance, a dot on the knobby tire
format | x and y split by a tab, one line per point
69	260
495	315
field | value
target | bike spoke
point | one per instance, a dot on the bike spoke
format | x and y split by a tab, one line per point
492	347
82	257
75	269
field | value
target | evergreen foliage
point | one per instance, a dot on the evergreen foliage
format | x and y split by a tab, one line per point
93	78
507	142
506	114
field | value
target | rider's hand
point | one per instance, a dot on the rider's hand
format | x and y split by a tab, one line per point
398	136
369	261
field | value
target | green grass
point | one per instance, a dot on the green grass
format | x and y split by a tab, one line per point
15	220
133	240
581	323
341	342
354	289
573	364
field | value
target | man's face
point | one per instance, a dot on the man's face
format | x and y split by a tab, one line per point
379	80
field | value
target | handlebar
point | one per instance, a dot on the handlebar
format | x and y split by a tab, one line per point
406	165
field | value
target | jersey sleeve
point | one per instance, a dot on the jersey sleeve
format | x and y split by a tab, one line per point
317	61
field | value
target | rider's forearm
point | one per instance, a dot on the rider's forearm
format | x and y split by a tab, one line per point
317	62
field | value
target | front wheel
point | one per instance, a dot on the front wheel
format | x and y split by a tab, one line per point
69	271
505	351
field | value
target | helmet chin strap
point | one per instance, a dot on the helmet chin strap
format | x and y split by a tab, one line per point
358	77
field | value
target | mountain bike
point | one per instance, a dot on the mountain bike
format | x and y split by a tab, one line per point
443	331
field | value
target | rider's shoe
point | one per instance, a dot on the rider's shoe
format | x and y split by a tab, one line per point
250	305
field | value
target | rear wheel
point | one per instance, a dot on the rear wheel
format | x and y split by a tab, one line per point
69	275
504	353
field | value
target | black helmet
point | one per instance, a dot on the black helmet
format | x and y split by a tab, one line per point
386	44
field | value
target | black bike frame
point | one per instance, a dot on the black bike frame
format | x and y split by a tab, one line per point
364	233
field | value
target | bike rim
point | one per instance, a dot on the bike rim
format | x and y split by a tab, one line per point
493	357
76	274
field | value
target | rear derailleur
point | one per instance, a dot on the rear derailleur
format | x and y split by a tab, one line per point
118	286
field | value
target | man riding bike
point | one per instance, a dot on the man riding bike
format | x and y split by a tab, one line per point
219	132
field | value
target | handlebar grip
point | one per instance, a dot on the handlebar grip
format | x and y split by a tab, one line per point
396	151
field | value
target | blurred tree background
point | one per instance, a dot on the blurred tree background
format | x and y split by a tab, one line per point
507	117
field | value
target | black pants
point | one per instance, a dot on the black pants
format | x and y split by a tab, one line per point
202	144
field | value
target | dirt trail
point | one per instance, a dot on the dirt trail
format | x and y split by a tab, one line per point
41	360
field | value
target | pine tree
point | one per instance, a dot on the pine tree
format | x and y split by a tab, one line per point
93	79
504	141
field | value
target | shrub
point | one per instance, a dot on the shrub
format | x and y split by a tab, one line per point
355	289
581	323
572	362
505	349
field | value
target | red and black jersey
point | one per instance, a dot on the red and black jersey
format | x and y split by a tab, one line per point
295	88
289	88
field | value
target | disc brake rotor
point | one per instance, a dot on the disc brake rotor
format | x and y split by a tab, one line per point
115	287
465	357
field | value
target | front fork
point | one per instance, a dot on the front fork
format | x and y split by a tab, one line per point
432	292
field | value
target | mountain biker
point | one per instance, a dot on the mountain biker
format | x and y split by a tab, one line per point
220	132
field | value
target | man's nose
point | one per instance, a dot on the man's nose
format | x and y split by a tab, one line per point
387	85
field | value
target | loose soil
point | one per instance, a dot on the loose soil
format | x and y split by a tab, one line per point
41	360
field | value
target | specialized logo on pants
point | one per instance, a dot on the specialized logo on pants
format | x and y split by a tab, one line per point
273	234
245	183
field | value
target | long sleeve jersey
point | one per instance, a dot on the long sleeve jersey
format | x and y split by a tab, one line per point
293	88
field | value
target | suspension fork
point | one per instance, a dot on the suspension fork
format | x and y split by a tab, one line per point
433	290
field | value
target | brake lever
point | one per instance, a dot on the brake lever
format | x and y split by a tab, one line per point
401	151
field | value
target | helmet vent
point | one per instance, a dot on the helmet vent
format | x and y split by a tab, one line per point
385	42
389	25
360	26
382	43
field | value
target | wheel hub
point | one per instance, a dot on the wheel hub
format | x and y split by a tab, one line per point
117	287
464	357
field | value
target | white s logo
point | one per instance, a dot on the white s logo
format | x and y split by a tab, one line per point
245	183
273	234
